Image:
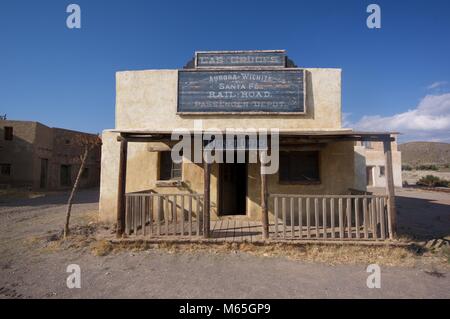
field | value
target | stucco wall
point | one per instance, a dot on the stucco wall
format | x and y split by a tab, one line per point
374	156
18	152
148	100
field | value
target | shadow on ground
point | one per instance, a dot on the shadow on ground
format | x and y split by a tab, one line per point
422	218
84	196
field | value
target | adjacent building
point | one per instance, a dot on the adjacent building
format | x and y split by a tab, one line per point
36	156
370	169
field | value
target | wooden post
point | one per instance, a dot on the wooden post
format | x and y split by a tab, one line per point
264	200
206	197
390	188
121	187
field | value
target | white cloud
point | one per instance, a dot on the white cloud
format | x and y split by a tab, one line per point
437	84
429	121
346	119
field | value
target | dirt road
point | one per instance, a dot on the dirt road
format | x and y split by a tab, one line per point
26	272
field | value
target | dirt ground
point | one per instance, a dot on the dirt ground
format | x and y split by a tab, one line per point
33	261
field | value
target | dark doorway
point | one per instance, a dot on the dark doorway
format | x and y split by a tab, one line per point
369	175
65	175
233	189
44	173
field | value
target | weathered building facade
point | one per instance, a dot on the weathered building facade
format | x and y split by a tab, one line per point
39	157
237	90
370	169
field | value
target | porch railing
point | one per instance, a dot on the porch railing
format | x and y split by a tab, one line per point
328	217
155	214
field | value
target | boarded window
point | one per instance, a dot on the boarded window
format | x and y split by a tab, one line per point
299	167
5	169
8	133
168	169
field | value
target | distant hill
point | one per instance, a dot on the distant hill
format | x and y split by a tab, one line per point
420	153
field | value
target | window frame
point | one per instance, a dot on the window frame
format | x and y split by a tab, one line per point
172	169
382	171
294	182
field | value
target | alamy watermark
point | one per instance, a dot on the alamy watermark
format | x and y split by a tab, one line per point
74	279
73	20
374	19
220	146
374	279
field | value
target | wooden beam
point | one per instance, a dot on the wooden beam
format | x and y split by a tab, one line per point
302	147
145	139
121	188
264	200
206	197
390	191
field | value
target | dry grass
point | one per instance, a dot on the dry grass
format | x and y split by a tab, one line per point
83	237
311	253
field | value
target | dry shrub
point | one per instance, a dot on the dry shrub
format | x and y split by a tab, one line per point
101	248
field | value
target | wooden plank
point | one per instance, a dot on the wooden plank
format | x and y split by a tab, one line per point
174	215
190	215
227	231
292	217
392	212
264	201
182	215
158	213
213	228
276	216
341	219
206	197
232	229
308	218
134	213
283	212
349	217
374	218
144	214
221	228
121	188
240	59
382	221
316	216
357	217
283	91
150	213
332	217
324	217
300	217
127	215
366	219
198	215
166	214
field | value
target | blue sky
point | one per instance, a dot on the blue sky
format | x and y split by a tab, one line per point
396	77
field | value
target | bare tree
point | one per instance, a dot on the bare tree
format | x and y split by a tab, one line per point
87	143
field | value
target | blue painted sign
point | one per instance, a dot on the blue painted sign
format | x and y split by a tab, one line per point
255	91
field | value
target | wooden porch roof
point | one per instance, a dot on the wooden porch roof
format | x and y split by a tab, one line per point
337	135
